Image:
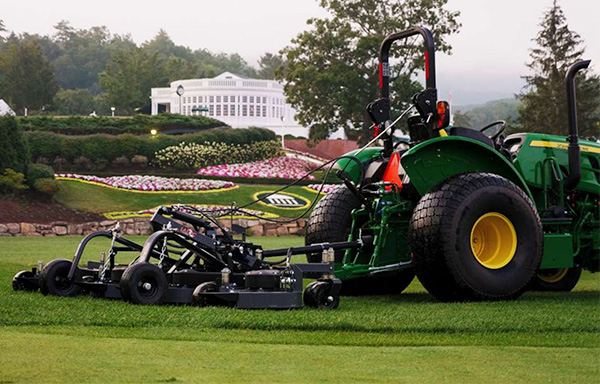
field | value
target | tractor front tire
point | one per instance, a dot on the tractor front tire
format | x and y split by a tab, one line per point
475	236
331	221
555	280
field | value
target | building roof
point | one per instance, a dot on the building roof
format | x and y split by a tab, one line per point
5	109
231	76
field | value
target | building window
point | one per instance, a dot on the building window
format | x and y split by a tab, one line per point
244	99
257	99
232	99
244	110
264	110
252	99
218	99
232	109
272	111
225	99
265	100
211	111
200	99
218	109
252	110
225	109
195	99
211	99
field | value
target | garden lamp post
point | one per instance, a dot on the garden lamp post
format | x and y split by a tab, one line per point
180	91
282	134
112	111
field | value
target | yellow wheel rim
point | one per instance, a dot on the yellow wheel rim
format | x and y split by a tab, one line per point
493	240
552	275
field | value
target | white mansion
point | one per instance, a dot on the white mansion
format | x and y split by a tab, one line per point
239	102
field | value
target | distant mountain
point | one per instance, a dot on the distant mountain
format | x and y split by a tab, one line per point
478	115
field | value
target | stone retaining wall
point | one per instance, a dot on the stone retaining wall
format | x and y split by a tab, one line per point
141	226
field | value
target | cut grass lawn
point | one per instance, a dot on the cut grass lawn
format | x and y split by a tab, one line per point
542	337
91	198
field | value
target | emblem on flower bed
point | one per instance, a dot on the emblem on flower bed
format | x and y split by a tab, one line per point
151	183
326	187
283	167
216	211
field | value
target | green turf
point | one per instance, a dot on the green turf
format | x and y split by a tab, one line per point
97	199
542	337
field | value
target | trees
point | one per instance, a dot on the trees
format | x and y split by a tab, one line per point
331	71
544	104
28	80
268	65
130	75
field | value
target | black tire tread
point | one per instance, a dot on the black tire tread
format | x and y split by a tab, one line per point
430	233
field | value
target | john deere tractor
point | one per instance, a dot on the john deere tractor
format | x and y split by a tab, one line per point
473	214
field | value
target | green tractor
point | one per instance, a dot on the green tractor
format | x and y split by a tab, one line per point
473	214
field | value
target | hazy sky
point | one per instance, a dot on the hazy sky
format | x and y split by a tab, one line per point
488	57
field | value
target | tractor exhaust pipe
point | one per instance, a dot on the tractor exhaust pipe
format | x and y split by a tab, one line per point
573	138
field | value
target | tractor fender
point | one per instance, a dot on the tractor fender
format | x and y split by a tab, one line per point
435	160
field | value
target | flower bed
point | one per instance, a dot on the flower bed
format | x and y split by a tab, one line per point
283	167
217	211
326	187
151	183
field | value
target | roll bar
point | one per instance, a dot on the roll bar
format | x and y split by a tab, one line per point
573	137
384	53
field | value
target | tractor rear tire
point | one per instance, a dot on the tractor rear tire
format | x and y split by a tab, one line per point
331	221
53	279
144	284
555	280
475	236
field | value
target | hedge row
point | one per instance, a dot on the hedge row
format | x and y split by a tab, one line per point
14	153
50	146
137	125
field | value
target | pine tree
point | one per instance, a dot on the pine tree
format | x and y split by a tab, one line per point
28	75
544	102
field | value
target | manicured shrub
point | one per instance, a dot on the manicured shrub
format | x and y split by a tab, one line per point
137	125
37	172
14	153
139	160
11	181
192	155
47	186
109	147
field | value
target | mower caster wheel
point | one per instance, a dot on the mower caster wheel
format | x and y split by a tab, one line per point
317	295
144	284
20	284
201	300
53	279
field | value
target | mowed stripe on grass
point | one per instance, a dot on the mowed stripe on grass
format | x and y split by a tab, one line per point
542	337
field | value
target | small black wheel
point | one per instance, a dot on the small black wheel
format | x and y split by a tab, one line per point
144	284
53	279
318	295
555	279
476	236
19	282
197	297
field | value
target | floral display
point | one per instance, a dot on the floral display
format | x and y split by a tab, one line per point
305	154
217	211
192	155
150	183
283	167
326	187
